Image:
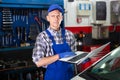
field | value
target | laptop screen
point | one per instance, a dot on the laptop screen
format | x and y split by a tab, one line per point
82	56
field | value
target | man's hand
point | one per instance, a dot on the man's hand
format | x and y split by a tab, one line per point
66	54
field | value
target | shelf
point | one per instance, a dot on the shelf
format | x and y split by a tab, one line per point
15	48
29	3
18	68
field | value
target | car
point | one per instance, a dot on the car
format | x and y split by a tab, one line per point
106	68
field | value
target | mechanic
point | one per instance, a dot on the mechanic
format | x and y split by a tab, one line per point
53	44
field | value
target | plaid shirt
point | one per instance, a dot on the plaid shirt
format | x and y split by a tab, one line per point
43	45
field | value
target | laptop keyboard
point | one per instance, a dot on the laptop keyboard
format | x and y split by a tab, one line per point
78	57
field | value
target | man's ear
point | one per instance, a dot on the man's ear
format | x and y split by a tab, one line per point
47	17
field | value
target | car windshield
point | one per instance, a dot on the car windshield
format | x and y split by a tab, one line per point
109	67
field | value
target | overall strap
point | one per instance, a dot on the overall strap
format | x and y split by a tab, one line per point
63	35
51	37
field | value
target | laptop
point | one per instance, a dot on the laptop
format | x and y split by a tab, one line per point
82	56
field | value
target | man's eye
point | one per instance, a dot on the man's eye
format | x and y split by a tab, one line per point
55	16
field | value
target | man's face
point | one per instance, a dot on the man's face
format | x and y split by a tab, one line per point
55	17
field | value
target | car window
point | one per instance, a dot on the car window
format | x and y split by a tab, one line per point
109	67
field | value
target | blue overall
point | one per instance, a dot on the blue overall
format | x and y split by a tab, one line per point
59	70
